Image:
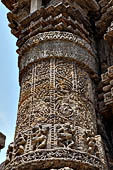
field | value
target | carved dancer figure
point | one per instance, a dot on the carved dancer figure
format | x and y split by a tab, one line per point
65	136
39	140
9	153
20	144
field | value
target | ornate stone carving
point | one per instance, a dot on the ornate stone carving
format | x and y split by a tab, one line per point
9	154
91	142
61	156
59	67
23	119
19	145
56	35
58	110
109	34
107	80
65	136
39	137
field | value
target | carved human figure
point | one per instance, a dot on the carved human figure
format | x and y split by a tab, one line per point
9	153
40	136
91	142
91	145
20	142
65	136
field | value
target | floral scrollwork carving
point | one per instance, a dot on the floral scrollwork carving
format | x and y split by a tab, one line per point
39	137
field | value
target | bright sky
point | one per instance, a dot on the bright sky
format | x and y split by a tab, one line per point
9	86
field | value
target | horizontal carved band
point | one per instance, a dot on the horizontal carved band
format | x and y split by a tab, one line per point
68	46
56	35
58	157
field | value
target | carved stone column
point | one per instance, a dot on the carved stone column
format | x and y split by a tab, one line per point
56	122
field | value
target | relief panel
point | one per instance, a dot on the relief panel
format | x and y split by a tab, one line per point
41	96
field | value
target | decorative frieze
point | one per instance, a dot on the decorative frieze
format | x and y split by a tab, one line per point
67	148
60	158
56	35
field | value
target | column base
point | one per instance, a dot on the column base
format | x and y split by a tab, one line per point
55	158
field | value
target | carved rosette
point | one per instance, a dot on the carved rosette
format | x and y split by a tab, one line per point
56	121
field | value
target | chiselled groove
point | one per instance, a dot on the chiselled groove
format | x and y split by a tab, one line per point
28	144
75	76
32	92
52	98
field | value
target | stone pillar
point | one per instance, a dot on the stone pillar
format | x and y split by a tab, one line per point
56	121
